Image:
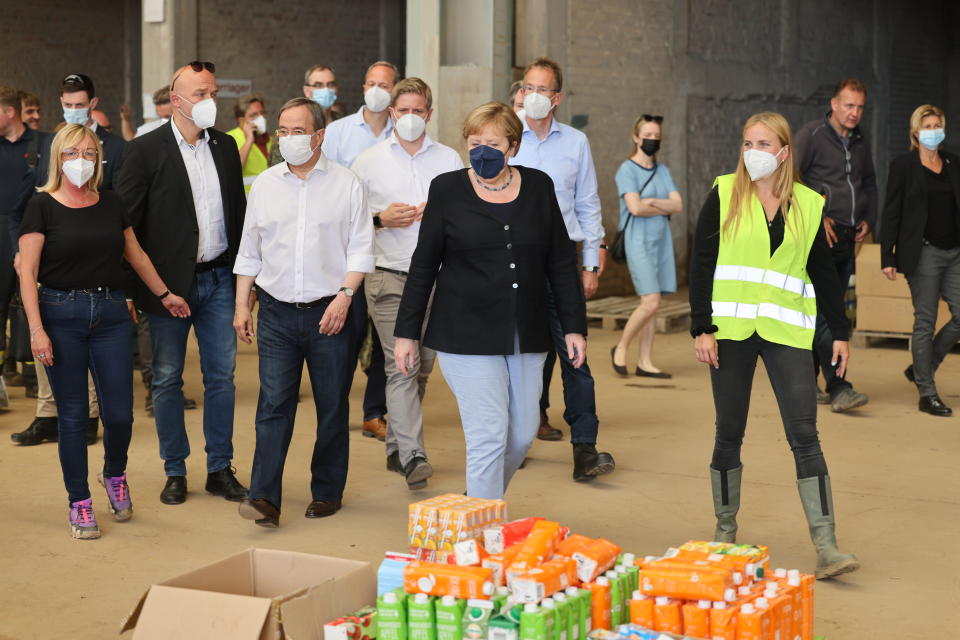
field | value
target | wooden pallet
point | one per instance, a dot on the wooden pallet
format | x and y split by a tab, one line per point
613	312
863	338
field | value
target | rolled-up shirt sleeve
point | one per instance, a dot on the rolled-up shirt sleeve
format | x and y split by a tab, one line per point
249	257
360	237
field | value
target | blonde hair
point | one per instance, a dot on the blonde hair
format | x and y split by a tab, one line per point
415	86
498	115
921	112
784	177
68	136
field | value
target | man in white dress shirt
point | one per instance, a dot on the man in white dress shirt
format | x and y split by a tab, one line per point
397	174
307	243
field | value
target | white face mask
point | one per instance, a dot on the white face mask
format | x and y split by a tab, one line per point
410	126
260	123
204	113
76	116
296	150
78	171
536	106
522	114
376	99
760	164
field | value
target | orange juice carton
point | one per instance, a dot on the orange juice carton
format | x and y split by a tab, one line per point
448	580
723	621
806	582
500	536
685	584
536	549
774	616
595	559
499	562
540	582
469	553
667	615
600	602
696	618
571	544
752	623
641	610
781	602
754	560
736	577
789	584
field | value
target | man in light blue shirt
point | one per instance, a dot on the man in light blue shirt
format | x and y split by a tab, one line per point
348	137
564	154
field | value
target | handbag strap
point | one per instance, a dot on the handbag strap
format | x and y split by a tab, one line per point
645	184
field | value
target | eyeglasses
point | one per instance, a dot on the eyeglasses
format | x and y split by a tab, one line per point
283	133
529	88
649	118
72	154
197	67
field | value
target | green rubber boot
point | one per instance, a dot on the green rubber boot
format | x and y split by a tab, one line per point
817	499
726	502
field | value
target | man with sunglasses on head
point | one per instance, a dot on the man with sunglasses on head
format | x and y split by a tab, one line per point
79	101
183	185
563	153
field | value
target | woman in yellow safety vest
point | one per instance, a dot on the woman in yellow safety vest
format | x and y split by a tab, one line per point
761	265
251	136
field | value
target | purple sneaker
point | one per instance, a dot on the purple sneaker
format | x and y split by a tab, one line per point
118	496
83	524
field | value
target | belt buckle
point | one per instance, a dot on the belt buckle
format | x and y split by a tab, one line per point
301	305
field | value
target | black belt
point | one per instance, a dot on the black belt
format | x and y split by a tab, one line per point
219	261
311	305
393	271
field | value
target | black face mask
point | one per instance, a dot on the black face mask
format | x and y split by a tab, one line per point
650	146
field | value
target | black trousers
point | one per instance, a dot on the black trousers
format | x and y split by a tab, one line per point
794	386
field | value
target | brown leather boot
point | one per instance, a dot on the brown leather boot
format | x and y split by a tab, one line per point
375	428
547	432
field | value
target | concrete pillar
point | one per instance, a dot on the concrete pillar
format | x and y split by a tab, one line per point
168	44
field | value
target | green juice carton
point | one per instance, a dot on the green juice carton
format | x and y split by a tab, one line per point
476	619
505	625
616	599
536	623
585	599
573	601
449	611
501	599
421	617
626	584
564	615
629	563
559	628
392	615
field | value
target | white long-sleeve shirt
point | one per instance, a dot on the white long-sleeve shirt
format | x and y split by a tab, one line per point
207	199
301	237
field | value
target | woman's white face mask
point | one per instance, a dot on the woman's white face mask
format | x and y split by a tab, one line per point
79	171
761	164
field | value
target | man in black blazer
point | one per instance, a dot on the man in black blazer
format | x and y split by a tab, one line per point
183	186
78	98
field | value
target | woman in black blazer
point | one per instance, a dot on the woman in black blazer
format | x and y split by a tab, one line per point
491	238
920	238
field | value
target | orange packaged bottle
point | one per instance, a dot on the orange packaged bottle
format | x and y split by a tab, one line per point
595	559
667	615
806	593
600	604
723	621
448	580
537	548
574	542
781	601
539	582
752	623
499	562
641	610
773	614
685	584
696	618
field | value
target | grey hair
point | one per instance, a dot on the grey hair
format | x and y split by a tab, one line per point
319	120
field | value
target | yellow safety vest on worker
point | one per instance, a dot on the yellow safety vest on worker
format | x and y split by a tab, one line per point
256	162
754	291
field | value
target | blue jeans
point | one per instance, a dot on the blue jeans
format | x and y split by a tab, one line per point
211	301
286	337
89	332
579	397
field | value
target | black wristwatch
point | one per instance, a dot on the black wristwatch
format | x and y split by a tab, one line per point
377	222
163	295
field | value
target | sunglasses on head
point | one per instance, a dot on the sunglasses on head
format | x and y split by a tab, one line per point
646	117
197	66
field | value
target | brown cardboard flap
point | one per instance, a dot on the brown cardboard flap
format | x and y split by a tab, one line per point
172	612
304	615
233	574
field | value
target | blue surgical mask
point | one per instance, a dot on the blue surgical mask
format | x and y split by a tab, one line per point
931	138
487	161
76	116
324	97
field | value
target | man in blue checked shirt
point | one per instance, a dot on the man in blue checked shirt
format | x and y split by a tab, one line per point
564	154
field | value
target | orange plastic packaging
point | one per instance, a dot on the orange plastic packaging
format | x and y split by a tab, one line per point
752	623
540	582
667	615
448	580
641	610
781	601
790	585
537	548
594	560
600	604
687	585
499	562
735	577
696	618
752	560
806	592
774	614
574	543
723	621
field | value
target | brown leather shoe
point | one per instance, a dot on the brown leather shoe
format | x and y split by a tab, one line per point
322	509
260	511
375	428
546	432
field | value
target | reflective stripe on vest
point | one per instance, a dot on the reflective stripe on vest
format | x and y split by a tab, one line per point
754	291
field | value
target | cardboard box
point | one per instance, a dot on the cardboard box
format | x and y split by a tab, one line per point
870	279
258	594
892	315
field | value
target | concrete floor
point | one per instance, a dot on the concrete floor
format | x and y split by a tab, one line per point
894	474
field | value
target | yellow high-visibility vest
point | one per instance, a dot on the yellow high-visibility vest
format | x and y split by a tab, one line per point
754	291
256	162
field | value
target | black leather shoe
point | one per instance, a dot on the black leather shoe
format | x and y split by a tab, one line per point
175	491
261	511
934	406
908	373
643	373
393	462
417	471
322	509
40	430
93	425
588	463
620	370
189	403
224	483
